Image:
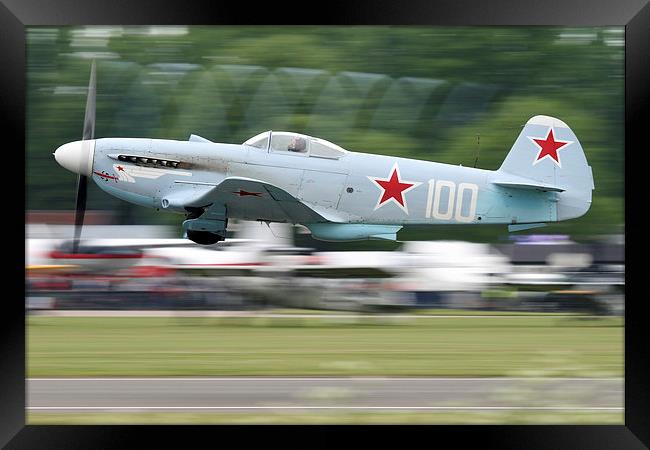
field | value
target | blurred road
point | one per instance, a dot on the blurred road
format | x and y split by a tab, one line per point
248	393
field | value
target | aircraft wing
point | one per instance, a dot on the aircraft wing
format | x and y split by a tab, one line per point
252	199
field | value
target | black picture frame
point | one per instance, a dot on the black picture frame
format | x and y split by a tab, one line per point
15	15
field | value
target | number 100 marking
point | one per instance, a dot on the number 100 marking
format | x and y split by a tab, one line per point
454	197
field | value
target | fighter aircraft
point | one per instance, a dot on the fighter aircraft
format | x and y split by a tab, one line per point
339	195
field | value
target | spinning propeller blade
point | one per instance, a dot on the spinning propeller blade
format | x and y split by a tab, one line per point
82	180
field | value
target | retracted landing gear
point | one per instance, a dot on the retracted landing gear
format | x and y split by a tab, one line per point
206	227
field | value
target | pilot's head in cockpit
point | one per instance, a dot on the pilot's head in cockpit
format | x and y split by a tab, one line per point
297	144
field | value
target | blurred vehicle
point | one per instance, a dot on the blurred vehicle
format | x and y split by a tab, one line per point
102	257
436	273
111	255
262	267
451	273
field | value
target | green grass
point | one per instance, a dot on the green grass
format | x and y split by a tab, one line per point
303	418
419	312
471	312
177	346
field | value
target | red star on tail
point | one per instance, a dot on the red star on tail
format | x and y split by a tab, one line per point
393	189
548	147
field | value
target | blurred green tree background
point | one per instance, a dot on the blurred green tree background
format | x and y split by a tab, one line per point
447	94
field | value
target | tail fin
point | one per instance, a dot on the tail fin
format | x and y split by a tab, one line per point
548	156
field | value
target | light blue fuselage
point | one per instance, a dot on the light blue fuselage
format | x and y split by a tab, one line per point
341	190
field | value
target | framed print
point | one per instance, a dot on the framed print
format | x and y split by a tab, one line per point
457	85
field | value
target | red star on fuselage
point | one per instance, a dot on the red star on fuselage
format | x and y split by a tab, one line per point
548	147
393	189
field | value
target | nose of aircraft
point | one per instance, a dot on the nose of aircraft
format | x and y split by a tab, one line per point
76	156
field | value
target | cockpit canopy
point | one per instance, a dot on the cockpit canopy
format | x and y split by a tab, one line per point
295	144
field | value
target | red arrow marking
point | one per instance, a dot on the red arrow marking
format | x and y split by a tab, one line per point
103	175
243	193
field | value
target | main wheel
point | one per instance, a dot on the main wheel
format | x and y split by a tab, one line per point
204	237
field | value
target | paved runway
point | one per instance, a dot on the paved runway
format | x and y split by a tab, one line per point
250	393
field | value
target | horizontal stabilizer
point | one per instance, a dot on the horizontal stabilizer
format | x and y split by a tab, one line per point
529	185
524	226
